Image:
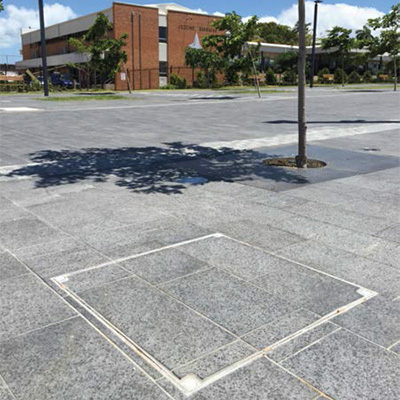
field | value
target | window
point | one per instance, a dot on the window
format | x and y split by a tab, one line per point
163	67
162	34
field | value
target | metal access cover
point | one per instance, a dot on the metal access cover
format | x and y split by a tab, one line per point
176	306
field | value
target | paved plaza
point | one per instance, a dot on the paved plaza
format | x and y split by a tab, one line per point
147	252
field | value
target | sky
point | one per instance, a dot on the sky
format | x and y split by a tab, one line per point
19	14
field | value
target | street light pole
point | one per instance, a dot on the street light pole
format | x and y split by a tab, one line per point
43	43
313	42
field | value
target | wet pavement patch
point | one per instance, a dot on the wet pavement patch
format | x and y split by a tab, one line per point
193	180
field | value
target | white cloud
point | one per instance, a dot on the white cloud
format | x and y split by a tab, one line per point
17	18
329	15
201	11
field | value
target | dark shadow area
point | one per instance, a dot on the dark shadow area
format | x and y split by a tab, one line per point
213	98
342	121
152	169
95	93
366	90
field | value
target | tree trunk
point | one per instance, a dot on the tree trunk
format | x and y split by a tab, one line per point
395	72
301	159
342	70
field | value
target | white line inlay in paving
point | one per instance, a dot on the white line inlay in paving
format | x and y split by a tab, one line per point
19	109
320	133
192	383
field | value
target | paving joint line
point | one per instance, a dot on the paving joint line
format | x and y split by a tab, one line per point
79	314
368	340
7	387
191	383
309	345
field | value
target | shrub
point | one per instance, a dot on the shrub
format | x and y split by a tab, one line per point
321	73
340	76
232	77
354	77
168	86
204	82
270	78
178	81
289	77
367	77
201	81
35	85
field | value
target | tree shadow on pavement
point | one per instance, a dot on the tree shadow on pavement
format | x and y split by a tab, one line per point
161	169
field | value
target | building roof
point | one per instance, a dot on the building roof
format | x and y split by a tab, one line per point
165	7
82	23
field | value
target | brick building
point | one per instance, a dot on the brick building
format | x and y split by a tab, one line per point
158	35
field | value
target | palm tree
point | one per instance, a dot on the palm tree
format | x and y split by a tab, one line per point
301	159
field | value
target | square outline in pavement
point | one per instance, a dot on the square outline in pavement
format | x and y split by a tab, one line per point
191	383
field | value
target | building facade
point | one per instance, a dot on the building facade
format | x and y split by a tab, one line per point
158	35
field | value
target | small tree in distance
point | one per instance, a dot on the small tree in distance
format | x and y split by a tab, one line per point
105	53
229	47
207	61
389	40
339	40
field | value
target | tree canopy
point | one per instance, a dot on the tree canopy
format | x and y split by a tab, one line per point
340	41
230	46
106	54
271	32
208	61
389	38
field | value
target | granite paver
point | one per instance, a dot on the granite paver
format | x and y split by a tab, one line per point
160	179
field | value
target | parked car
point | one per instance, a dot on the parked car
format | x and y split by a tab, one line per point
65	81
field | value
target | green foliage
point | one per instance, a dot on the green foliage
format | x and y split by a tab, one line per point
1	5
204	81
200	58
271	32
106	54
354	77
168	86
389	39
366	40
229	47
232	77
308	32
207	60
270	78
390	33
340	41
286	62
178	82
367	77
35	86
338	38
290	77
390	65
340	76
321	73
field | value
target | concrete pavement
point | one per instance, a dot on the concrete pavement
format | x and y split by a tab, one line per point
140	261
